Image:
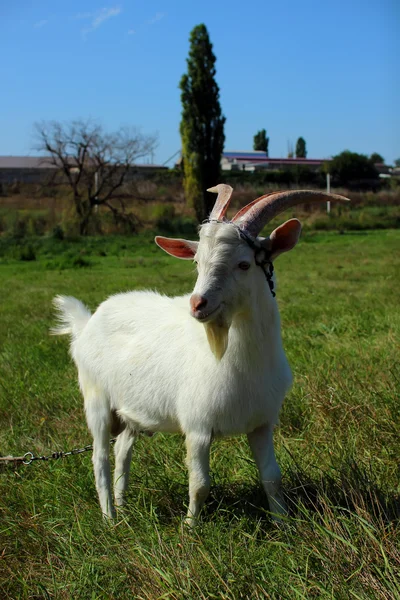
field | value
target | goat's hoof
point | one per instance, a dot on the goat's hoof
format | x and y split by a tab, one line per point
277	508
109	518
278	520
190	522
279	515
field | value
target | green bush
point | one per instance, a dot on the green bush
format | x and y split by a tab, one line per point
18	226
80	262
167	221
37	224
58	233
164	216
27	253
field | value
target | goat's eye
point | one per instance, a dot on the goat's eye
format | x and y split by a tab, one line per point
244	266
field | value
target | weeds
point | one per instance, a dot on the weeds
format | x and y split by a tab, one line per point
33	212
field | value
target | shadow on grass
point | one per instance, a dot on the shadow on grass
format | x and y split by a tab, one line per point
350	490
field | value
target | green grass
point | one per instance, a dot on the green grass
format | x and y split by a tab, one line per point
337	442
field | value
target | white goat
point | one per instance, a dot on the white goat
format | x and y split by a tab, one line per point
147	362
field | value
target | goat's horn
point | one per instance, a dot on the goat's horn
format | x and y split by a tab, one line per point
222	202
254	216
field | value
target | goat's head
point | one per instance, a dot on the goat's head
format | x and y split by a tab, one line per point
233	263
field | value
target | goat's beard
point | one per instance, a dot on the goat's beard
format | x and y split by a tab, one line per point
217	335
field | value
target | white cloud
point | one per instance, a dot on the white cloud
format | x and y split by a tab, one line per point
157	17
104	14
86	15
40	23
98	17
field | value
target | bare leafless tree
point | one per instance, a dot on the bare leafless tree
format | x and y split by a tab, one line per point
94	163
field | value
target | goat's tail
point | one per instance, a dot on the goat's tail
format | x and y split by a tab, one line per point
72	316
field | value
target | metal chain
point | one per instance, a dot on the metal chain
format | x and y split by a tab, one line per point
29	457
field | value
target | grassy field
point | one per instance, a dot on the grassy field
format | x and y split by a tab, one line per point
337	442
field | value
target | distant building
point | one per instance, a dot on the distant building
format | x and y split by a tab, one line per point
395	171
26	169
385	171
237	161
254	161
34	169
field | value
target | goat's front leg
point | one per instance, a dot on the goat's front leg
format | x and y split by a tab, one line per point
198	464
262	446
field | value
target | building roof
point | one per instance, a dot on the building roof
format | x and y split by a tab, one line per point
297	161
25	162
257	157
44	162
245	154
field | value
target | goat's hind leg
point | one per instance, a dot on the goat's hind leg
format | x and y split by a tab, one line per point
123	456
98	418
262	446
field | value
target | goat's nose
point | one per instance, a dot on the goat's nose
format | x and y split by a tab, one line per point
197	302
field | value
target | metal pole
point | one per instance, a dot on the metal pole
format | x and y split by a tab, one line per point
96	185
328	190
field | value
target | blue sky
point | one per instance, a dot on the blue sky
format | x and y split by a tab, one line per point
327	71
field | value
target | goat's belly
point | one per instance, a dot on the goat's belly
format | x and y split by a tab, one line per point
150	421
147	405
230	416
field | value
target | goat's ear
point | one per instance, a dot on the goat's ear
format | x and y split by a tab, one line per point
284	237
177	247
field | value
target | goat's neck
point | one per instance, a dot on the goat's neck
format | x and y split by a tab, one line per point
256	332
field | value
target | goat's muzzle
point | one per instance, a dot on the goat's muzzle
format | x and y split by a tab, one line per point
200	308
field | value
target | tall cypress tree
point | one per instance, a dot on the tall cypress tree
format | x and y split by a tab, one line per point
261	141
301	150
202	124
